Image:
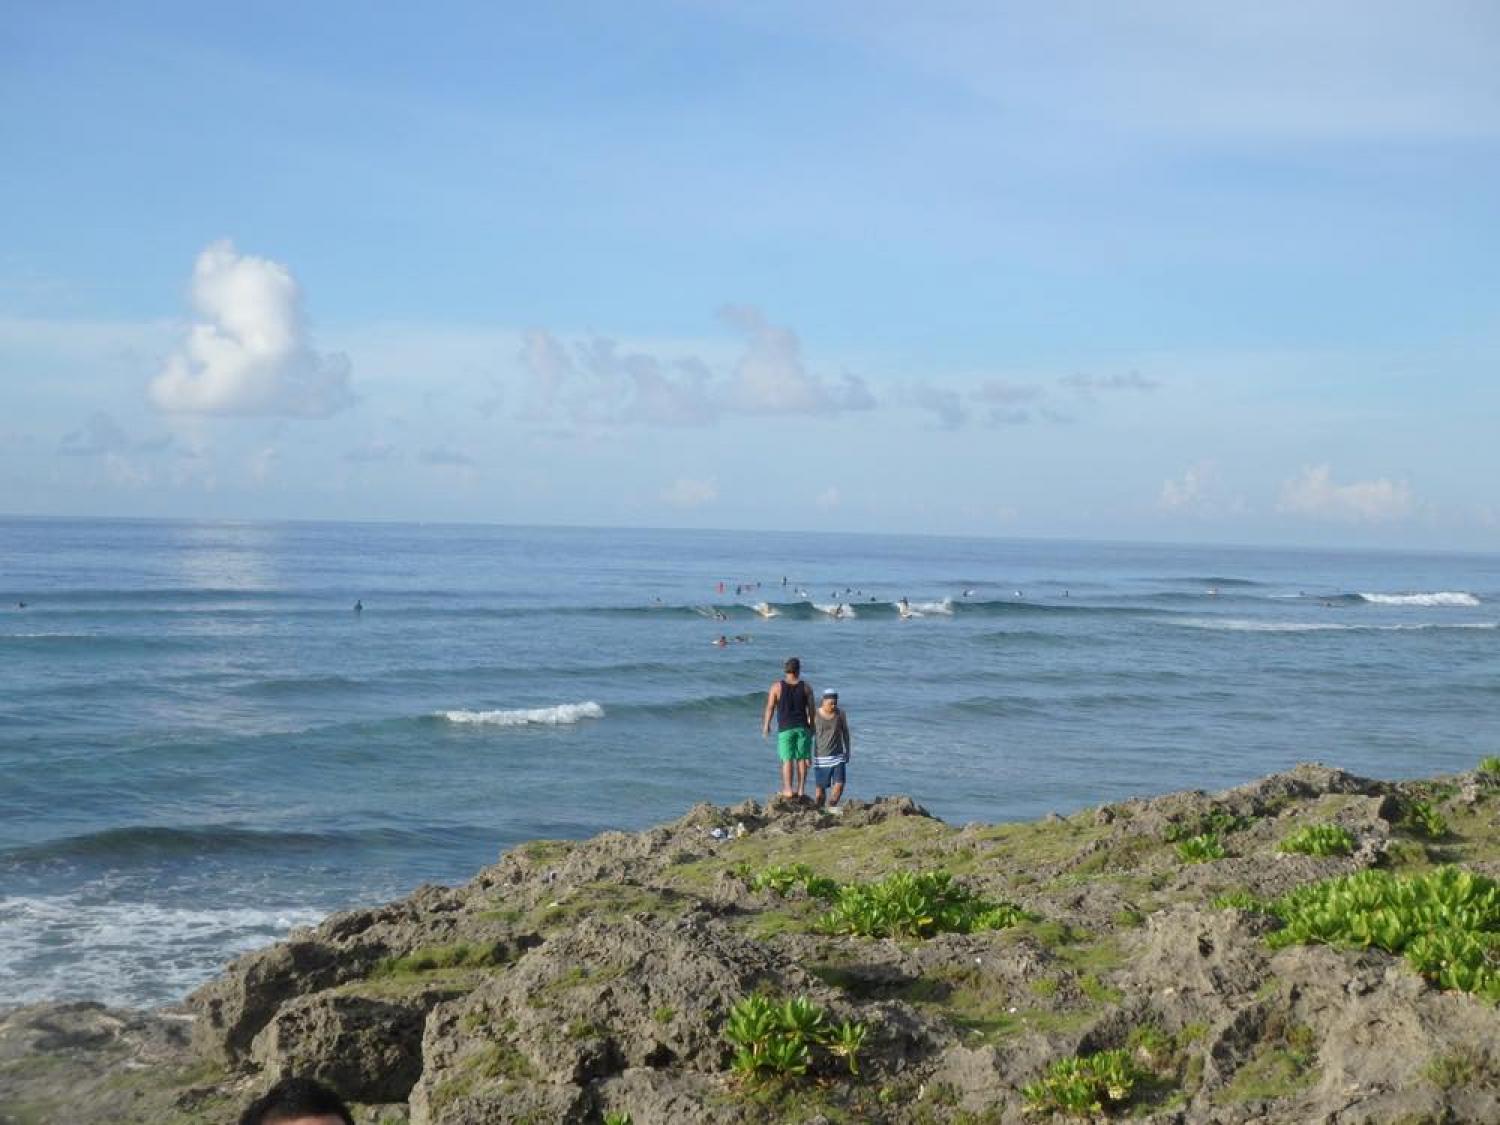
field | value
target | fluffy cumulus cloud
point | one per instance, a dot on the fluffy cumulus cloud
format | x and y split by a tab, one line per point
249	351
1314	493
686	492
596	382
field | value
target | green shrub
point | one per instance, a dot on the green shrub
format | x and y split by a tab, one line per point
782	878
1446	922
1319	839
617	1117
1085	1086
1425	820
1215	822
432	958
779	1039
1200	849
915	905
1490	765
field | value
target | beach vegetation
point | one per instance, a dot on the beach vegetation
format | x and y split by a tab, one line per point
1084	1086
1214	822
1319	840
1445	922
1490	765
783	878
789	1038
1283	1064
1423	819
1239	899
617	1117
1201	849
914	905
435	958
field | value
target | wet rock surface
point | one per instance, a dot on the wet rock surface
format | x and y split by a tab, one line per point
583	981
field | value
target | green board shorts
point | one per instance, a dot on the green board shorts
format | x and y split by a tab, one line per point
794	745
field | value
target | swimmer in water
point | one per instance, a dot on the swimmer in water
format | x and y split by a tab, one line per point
721	641
359	607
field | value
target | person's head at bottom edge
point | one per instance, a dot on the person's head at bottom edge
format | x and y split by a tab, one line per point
297	1101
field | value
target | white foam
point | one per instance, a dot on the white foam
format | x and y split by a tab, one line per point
841	610
944	606
564	714
125	953
1443	597
1239	625
766	609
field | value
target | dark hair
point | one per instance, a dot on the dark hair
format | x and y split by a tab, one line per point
292	1098
792	666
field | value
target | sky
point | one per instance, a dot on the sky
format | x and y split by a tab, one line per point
1157	271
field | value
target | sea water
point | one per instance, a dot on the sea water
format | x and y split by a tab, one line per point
203	743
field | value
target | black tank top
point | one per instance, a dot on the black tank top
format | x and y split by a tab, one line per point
791	706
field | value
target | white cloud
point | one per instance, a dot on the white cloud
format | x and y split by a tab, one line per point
946	405
249	354
1314	493
771	378
686	492
828	499
1190	490
596	382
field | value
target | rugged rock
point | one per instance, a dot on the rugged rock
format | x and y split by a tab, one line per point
575	980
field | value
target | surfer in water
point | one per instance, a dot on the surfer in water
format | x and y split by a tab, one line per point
359	606
790	700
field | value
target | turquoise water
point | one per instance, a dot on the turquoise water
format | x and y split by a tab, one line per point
202	744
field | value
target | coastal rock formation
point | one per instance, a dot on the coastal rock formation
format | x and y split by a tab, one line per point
595	981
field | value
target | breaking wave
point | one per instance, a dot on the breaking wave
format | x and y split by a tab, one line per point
1443	597
564	714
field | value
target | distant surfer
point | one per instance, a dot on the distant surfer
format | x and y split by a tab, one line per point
721	641
790	700
20	605
359	606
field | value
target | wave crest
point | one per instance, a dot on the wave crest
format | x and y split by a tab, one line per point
1442	597
564	714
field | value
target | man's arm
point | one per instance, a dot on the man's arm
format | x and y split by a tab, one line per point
848	738
807	702
771	697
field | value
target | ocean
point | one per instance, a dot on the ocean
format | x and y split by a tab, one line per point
203	743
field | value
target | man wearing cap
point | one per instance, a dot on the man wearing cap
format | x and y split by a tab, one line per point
791	701
831	751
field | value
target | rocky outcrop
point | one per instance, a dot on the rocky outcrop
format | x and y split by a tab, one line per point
575	980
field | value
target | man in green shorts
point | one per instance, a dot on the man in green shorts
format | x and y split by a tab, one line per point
791	701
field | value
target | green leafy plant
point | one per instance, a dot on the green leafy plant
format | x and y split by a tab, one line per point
780	1039
846	1041
1319	839
1200	849
617	1117
782	878
1446	922
914	905
1085	1085
1425	820
1490	765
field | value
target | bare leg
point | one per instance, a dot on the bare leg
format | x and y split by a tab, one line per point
801	775
835	793
786	779
817	797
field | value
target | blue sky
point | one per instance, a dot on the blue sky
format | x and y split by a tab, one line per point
1160	270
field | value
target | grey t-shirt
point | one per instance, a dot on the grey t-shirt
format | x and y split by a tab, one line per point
831	738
